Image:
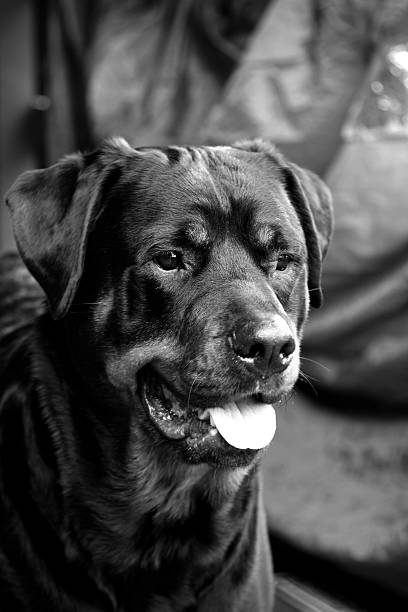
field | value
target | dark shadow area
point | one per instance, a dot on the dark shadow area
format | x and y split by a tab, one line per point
334	579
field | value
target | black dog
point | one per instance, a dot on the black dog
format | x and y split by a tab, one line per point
134	408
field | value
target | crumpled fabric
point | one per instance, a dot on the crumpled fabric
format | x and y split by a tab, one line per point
359	344
156	68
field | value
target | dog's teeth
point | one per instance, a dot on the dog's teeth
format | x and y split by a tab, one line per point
176	408
204	415
213	431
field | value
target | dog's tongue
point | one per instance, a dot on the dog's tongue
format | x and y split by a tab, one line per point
245	423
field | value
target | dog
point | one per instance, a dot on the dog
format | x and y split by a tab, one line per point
136	403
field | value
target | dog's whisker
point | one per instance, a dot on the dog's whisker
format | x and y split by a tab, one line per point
190	391
86	303
289	397
308	380
321	365
309	377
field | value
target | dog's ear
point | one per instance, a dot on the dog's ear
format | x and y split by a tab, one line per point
52	213
312	201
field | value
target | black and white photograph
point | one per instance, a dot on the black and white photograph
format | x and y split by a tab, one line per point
204	306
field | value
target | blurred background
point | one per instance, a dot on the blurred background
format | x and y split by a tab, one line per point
327	81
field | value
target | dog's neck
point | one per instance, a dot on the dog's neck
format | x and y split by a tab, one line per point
132	509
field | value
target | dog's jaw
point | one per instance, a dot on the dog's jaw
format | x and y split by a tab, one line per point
245	422
230	432
172	418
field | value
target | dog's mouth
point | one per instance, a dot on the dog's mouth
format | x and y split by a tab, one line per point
244	423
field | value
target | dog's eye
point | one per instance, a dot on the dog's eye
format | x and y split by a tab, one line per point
169	260
283	262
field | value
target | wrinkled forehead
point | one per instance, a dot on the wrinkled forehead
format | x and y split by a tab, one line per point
205	192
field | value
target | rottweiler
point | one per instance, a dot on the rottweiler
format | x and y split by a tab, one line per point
139	382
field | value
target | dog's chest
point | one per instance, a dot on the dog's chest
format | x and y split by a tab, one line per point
181	560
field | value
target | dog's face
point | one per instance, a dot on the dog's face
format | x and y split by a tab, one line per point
183	279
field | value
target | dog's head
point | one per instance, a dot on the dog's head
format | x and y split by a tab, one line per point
183	278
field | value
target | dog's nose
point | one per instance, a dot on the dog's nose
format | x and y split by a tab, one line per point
265	346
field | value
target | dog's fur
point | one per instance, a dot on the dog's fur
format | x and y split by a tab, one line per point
99	509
